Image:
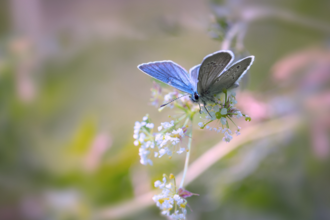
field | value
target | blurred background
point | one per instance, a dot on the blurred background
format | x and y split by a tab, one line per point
70	94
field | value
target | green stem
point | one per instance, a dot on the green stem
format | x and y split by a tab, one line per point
227	124
187	159
232	121
186	122
175	191
206	124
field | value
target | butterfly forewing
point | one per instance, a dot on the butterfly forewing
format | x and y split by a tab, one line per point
204	81
229	78
169	73
211	67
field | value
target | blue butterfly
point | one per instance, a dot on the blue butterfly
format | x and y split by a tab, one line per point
205	80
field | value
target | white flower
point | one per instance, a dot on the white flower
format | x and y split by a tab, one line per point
223	120
169	199
177	215
200	124
169	97
144	156
239	114
157	183
213	117
227	137
223	111
168	186
232	101
137	127
163	139
178	199
165	142
181	150
216	108
167	205
150	125
178	131
142	137
165	125
162	152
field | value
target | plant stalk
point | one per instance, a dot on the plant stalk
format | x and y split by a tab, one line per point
186	164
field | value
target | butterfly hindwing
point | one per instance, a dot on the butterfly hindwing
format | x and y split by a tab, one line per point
229	78
169	73
194	75
212	65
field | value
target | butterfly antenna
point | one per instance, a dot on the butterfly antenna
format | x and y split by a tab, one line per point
173	100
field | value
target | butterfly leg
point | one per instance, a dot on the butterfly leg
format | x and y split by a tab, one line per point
200	109
207	110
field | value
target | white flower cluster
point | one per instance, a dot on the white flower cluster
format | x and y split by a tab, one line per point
164	142
165	125
169	199
224	112
169	139
140	130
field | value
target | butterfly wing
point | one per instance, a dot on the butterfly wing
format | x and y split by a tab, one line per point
229	78
212	65
194	76
170	73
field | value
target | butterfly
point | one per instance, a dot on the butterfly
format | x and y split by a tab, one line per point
204	81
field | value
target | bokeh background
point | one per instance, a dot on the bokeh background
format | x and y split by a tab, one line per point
70	93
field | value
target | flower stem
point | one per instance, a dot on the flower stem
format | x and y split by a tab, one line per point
232	121
206	124
187	159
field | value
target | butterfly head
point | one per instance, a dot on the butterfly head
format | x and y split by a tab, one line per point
195	97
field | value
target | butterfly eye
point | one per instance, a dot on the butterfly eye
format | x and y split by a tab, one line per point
196	96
